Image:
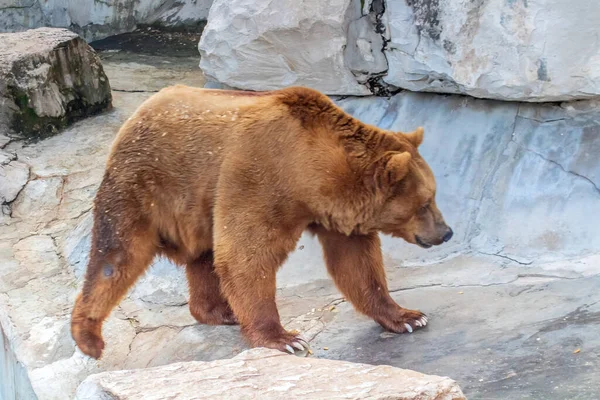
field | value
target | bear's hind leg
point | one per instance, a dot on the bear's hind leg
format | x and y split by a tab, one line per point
108	277
207	304
356	265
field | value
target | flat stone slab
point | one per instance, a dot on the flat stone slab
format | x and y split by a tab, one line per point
269	374
48	79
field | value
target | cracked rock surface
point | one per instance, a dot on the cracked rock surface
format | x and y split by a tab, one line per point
509	299
13	176
525	50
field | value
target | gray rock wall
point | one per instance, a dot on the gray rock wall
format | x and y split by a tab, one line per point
516	180
531	50
526	50
93	19
260	45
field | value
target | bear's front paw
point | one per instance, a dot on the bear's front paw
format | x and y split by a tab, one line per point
401	320
286	342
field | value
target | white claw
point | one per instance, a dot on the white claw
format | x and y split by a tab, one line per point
418	323
289	348
408	328
298	346
303	342
424	321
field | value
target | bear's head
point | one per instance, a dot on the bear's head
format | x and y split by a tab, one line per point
408	209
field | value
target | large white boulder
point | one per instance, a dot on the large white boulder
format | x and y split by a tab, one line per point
526	50
263	44
94	19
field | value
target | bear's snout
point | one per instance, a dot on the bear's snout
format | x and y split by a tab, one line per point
442	235
448	235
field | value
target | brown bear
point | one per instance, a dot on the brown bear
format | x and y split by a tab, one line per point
225	182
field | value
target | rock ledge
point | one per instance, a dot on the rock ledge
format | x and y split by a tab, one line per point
268	374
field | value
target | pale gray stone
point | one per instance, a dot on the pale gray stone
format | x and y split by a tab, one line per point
4	140
509	50
263	44
13	177
269	374
39	200
513	180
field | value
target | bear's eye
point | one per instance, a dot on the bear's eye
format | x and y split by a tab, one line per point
424	208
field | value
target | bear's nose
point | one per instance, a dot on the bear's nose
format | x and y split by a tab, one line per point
448	235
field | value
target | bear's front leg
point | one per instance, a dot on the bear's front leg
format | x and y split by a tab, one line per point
248	251
355	263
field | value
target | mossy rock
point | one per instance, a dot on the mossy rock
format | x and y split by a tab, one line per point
53	77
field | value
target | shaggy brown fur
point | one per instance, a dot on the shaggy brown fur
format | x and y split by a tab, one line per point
225	182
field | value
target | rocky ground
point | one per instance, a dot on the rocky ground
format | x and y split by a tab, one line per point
502	328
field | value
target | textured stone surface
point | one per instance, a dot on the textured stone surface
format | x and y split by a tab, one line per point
513	334
539	203
48	79
530	50
269	374
263	44
94	19
4	140
513	180
509	299
535	50
13	176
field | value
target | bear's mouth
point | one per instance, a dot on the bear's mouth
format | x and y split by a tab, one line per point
421	243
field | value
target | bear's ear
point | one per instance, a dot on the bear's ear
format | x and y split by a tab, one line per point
397	167
416	137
